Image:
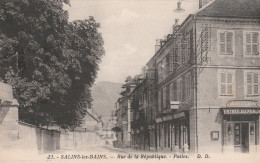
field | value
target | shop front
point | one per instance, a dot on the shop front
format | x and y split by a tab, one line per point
241	126
172	132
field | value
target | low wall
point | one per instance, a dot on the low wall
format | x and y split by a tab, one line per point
37	139
78	139
43	140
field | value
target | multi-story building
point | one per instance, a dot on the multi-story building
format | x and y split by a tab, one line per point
123	114
207	83
143	109
208	80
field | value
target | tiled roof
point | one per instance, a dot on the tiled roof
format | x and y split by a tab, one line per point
232	8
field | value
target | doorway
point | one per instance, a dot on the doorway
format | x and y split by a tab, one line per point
241	137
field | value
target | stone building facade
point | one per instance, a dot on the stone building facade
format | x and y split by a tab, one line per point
207	83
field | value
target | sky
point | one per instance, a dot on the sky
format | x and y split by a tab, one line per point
129	29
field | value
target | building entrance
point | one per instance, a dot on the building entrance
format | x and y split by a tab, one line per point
241	137
241	132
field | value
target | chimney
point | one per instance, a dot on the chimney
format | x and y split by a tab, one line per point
157	45
175	25
203	3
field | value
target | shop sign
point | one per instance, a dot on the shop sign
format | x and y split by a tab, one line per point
158	120
167	118
175	105
241	111
179	115
242	104
6	92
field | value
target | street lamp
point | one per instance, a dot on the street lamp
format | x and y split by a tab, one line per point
179	8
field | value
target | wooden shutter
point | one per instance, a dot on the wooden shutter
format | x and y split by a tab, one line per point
249	84
171	61
229	84
223	84
248	44
256	83
229	43
171	92
159	100
222	43
255	43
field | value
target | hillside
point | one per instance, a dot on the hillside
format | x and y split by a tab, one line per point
105	95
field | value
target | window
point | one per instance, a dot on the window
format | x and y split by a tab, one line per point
226	43
226	83
171	92
171	58
179	90
159	101
251	44
252	83
160	71
164	68
188	85
164	98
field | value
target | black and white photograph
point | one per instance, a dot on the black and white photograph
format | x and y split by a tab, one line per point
130	80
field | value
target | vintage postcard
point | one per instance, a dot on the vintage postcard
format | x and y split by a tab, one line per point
130	80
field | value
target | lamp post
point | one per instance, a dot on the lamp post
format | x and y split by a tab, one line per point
179	8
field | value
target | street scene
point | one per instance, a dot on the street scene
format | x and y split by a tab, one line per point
129	79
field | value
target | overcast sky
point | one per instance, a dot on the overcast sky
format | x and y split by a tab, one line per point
129	29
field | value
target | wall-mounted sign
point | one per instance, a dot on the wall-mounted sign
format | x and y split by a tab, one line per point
179	115
242	104
241	111
167	118
214	135
6	92
175	105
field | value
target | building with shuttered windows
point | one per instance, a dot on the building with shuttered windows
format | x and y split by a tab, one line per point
208	80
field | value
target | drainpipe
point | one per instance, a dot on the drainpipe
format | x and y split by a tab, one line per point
196	88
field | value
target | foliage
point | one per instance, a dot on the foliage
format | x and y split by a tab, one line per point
50	62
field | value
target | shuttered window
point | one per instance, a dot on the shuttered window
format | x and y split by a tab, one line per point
179	90
187	85
159	101
252	83
160	72
225	42
251	43
172	92
226	83
164	97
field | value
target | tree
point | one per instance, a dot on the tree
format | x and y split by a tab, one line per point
50	62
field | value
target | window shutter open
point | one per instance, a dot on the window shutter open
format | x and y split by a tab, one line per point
229	43
249	84
223	84
229	84
255	43
256	84
222	43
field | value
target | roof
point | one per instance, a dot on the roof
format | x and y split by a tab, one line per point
232	9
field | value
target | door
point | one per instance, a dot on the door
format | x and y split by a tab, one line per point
245	137
241	137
